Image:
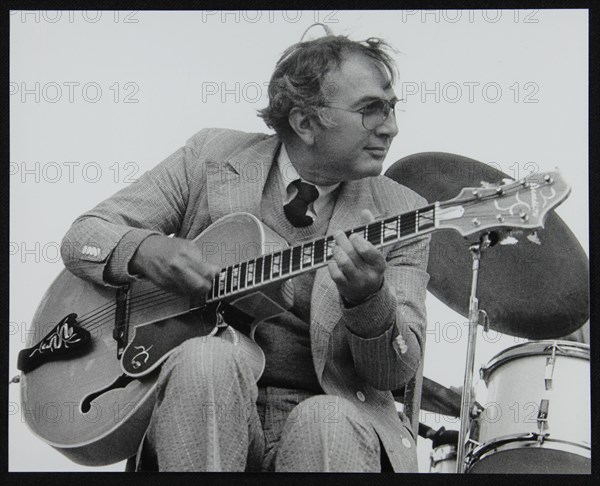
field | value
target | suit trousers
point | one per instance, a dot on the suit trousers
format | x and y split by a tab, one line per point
210	415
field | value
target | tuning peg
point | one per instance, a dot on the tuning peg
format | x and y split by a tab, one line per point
534	238
508	239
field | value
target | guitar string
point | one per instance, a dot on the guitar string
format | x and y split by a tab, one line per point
103	314
96	317
97	320
108	319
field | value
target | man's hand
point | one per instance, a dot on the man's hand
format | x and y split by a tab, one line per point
358	268
174	264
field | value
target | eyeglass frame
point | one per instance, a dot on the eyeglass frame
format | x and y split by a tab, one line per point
389	105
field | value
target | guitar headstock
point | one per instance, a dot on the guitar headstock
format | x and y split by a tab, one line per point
521	204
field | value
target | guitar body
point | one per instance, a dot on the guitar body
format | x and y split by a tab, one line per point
93	406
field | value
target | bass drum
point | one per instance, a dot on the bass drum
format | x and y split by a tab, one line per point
537	416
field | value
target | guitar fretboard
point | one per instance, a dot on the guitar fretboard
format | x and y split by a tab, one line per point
280	265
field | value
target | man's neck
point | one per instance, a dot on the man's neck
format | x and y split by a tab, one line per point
305	164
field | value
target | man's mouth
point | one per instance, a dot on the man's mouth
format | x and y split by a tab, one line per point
380	150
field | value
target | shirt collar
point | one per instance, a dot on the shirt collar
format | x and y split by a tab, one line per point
289	173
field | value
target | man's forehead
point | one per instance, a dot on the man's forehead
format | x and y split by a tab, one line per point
360	78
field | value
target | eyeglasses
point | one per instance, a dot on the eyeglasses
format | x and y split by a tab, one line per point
374	114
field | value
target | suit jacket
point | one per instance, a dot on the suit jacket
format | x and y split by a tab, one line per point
222	171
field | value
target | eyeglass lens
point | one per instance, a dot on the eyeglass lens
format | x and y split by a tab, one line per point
376	113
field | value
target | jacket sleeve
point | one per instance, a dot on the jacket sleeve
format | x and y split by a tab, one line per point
101	242
386	333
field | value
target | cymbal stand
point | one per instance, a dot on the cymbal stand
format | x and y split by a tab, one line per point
467	403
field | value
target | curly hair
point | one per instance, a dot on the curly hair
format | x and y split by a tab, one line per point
298	79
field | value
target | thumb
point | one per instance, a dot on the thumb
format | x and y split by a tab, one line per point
366	217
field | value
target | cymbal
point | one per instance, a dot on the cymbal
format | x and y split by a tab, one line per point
528	290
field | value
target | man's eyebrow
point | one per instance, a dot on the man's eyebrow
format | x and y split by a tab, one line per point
369	98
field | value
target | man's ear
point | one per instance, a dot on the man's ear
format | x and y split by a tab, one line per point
302	125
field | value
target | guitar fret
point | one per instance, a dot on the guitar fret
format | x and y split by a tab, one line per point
319	254
296	257
374	233
286	261
250	274
243	274
307	253
267	267
222	277
228	281
407	223
330	245
258	270
416	221
276	264
390	230
236	276
214	291
427	217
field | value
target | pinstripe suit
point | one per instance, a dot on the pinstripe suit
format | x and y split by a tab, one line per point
222	171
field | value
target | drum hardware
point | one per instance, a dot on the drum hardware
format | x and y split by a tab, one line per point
550	362
525	382
475	314
513	306
542	418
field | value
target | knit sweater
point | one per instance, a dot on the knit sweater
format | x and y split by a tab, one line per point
286	338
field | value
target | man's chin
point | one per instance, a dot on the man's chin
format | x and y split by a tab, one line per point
373	169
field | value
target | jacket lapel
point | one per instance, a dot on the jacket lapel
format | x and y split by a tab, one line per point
236	185
354	196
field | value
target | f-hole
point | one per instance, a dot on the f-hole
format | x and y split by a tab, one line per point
121	382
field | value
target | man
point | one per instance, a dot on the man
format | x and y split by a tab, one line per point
350	332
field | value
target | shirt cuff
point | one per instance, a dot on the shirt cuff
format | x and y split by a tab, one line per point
116	271
373	317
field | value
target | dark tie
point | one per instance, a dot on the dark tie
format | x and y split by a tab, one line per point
295	210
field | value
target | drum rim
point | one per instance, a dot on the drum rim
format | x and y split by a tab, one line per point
516	442
537	348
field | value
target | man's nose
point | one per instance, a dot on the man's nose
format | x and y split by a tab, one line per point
389	126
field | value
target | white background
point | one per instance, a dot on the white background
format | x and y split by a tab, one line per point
73	147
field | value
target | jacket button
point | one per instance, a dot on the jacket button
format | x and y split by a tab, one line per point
406	443
360	395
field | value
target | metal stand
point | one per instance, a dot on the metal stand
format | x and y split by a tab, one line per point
467	404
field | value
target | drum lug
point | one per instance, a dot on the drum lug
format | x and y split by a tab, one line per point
476	411
474	442
550	363
542	418
484	320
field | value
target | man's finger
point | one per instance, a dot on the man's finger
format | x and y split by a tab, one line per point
337	275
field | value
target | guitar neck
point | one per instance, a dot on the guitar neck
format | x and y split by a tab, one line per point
309	256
